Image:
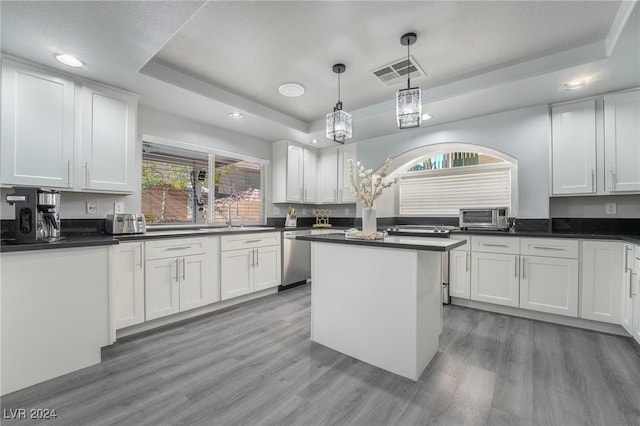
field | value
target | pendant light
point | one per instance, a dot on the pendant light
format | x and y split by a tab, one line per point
409	100
339	121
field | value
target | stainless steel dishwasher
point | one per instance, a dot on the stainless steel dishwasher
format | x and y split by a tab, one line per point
296	258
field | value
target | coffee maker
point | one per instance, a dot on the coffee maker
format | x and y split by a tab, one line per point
37	213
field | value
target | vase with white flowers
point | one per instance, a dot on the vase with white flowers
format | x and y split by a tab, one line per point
368	189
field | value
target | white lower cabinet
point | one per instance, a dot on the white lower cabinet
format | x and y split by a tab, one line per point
128	284
549	284
180	278
254	268
460	273
494	278
602	274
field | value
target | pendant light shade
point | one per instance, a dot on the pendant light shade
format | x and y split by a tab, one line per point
338	123
409	100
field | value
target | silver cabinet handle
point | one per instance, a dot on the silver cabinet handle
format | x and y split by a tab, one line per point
611	179
335	195
69	174
466	263
494	245
631	274
593	180
253	258
86	174
548	248
515	267
177	270
140	253
252	241
627	249
257	258
177	248
522	266
184	269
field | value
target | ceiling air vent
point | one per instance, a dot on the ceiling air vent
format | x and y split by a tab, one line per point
396	72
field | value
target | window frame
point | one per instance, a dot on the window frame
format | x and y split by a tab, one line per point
211	153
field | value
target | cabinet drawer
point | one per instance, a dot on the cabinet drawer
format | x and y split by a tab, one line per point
488	244
259	239
175	247
549	247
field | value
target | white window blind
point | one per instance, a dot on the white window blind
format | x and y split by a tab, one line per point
444	192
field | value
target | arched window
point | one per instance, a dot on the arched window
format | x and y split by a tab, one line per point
441	183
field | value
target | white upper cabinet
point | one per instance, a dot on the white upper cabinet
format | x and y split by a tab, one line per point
622	141
310	175
37	127
574	148
294	173
61	133
328	175
108	139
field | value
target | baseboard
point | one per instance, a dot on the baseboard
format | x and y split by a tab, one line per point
542	316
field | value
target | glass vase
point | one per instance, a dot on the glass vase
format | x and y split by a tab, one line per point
369	222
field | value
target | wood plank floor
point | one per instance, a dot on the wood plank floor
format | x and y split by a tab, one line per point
254	364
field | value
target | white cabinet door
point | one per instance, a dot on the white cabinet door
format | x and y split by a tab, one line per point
310	167
636	309
494	278
602	267
267	267
128	285
345	153
295	170
195	281
460	274
626	316
162	288
328	176
549	284
108	140
622	141
236	273
573	150
37	127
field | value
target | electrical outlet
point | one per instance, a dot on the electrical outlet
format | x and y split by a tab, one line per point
92	207
118	207
610	208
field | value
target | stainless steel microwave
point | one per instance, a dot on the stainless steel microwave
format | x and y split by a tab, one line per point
486	218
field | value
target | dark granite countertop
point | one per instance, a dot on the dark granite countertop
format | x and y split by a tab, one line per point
634	239
72	240
392	241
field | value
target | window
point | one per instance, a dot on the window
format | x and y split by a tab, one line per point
444	183
176	186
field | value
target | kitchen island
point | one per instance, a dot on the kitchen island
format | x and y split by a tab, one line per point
378	301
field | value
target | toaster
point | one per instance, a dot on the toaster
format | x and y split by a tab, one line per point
125	223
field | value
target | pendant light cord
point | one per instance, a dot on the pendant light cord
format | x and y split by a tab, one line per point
339	87
408	69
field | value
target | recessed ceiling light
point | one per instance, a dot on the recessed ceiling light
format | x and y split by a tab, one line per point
426	117
315	141
236	115
70	61
574	85
291	90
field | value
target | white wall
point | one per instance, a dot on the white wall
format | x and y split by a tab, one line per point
627	207
524	134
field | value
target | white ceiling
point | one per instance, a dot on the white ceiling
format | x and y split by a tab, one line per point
204	59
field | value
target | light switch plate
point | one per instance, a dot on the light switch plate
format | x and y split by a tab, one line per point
610	208
118	207
92	207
